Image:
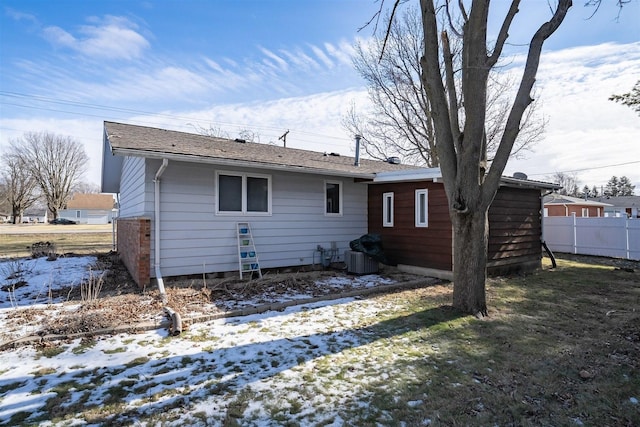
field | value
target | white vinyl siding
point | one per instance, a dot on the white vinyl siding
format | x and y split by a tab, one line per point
387	210
195	240
134	197
422	208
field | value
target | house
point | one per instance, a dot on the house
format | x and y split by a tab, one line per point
410	211
89	208
619	206
560	205
35	215
182	197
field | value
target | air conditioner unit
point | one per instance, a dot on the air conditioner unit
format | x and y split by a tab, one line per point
360	263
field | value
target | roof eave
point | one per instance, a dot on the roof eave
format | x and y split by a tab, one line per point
237	163
505	180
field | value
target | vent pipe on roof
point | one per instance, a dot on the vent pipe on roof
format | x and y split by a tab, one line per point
357	162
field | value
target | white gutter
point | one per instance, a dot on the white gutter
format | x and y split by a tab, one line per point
156	251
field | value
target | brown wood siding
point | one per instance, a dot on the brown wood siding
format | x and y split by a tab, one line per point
514	231
404	243
514	228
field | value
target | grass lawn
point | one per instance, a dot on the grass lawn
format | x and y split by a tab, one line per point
560	347
18	245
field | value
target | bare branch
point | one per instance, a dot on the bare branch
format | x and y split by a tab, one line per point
386	37
504	33
523	97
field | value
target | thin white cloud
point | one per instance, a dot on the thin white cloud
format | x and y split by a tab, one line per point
322	56
276	61
110	38
300	59
342	52
16	15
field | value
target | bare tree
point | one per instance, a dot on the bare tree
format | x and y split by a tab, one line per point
399	122
249	135
460	128
56	162
19	186
86	188
216	132
568	181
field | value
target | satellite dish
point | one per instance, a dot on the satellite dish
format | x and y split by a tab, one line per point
520	175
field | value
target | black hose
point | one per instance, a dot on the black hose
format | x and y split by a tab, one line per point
553	258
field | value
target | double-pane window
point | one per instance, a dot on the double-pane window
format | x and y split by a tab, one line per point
243	193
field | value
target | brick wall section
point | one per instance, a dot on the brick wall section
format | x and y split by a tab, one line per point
134	248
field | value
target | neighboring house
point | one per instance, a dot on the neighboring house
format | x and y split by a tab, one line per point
620	206
409	209
89	208
560	205
182	195
35	215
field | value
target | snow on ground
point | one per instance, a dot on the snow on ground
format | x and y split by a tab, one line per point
270	360
28	282
261	369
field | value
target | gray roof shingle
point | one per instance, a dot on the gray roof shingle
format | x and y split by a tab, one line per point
133	140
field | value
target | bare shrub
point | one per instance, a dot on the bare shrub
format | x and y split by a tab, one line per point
47	249
12	273
90	288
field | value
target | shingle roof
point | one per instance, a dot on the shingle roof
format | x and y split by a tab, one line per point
619	201
91	201
561	199
132	140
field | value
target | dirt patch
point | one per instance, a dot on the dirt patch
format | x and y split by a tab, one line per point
121	303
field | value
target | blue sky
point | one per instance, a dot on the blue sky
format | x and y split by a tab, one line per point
269	66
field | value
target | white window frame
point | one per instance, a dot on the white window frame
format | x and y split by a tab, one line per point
387	209
418	208
585	212
340	196
244	177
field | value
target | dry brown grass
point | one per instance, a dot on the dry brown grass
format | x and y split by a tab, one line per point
68	240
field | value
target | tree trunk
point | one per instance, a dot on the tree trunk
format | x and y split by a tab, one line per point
470	238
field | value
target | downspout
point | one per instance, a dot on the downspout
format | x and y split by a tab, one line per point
156	182
544	243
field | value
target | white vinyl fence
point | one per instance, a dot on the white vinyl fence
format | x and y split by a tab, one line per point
608	236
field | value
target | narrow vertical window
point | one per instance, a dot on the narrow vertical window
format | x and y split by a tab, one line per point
422	204
585	212
333	198
387	210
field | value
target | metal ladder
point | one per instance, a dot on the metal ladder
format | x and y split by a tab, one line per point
247	255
